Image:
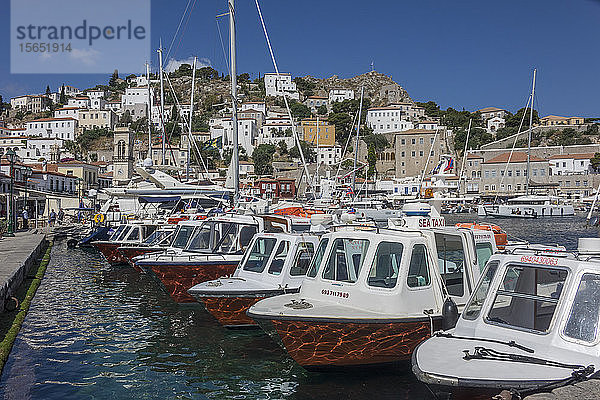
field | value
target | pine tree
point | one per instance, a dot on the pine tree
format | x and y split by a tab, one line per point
48	90
62	99
113	78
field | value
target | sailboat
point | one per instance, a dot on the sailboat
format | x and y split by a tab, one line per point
528	206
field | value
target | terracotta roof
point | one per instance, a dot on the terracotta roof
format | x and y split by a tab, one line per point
490	109
427	122
517	157
556	117
52	119
67	108
473	156
578	156
39	171
318	97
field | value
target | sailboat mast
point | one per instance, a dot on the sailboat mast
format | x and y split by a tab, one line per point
318	159
529	135
162	102
189	145
149	112
462	168
232	50
362	90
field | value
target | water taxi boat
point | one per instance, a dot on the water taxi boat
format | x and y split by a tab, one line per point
531	324
159	240
371	295
133	233
274	264
527	207
214	249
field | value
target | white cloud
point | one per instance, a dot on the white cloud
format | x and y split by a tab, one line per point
87	57
173	64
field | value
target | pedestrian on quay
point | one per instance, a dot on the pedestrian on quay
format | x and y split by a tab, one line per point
25	219
52	217
61	216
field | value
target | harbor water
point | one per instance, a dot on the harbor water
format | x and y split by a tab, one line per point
101	332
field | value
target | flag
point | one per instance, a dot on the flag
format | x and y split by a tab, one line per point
349	191
450	165
215	143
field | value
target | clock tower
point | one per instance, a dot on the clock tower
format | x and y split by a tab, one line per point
122	156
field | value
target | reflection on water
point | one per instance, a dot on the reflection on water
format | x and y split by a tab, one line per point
95	331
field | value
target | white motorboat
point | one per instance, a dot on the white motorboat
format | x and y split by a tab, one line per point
274	264
527	207
531	324
371	295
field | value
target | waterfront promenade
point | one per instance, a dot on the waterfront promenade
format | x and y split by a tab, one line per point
17	255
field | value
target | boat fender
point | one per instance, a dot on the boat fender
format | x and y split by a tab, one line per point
449	314
72	243
11	304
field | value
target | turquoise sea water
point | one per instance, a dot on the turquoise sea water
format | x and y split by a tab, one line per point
101	332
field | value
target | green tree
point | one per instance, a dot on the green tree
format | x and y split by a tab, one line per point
207	73
125	119
592	129
199	123
282	147
322	109
48	90
174	113
431	108
172	129
372	160
62	98
304	86
113	79
478	137
244	78
515	120
183	70
456	119
309	154
377	141
263	159
595	161
299	110
343	125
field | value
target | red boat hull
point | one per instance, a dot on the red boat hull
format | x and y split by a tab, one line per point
320	344
110	251
130	252
231	311
177	279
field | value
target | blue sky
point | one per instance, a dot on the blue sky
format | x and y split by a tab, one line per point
467	54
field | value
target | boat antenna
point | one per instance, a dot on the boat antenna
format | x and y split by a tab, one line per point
362	90
235	153
462	168
149	112
512	150
529	136
162	100
189	144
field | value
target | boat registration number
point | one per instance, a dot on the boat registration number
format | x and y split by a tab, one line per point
335	293
539	260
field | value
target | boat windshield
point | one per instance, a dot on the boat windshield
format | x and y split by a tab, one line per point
118	232
484	252
259	255
124	233
302	261
527	297
157	236
201	238
583	318
473	309
316	261
182	236
345	260
222	237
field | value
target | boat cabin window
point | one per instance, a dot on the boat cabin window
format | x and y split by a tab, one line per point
148	230
583	319
200	238
183	235
384	271
527	297
484	252
316	261
117	232
304	254
346	259
418	270
134	234
451	262
259	255
158	236
279	258
246	234
473	309
124	233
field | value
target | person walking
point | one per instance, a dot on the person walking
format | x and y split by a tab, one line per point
52	218
61	216
25	219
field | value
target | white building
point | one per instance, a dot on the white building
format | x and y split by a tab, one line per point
393	118
67	112
79	102
495	123
428	125
255	105
19	102
115	105
281	85
136	95
90	119
48	181
257	115
70	90
314	102
570	164
60	128
247	132
340	95
41	148
329	155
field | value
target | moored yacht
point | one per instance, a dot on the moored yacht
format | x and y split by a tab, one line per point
528	207
157	241
531	324
371	295
274	264
133	233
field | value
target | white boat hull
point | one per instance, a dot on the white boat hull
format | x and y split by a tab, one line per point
518	210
